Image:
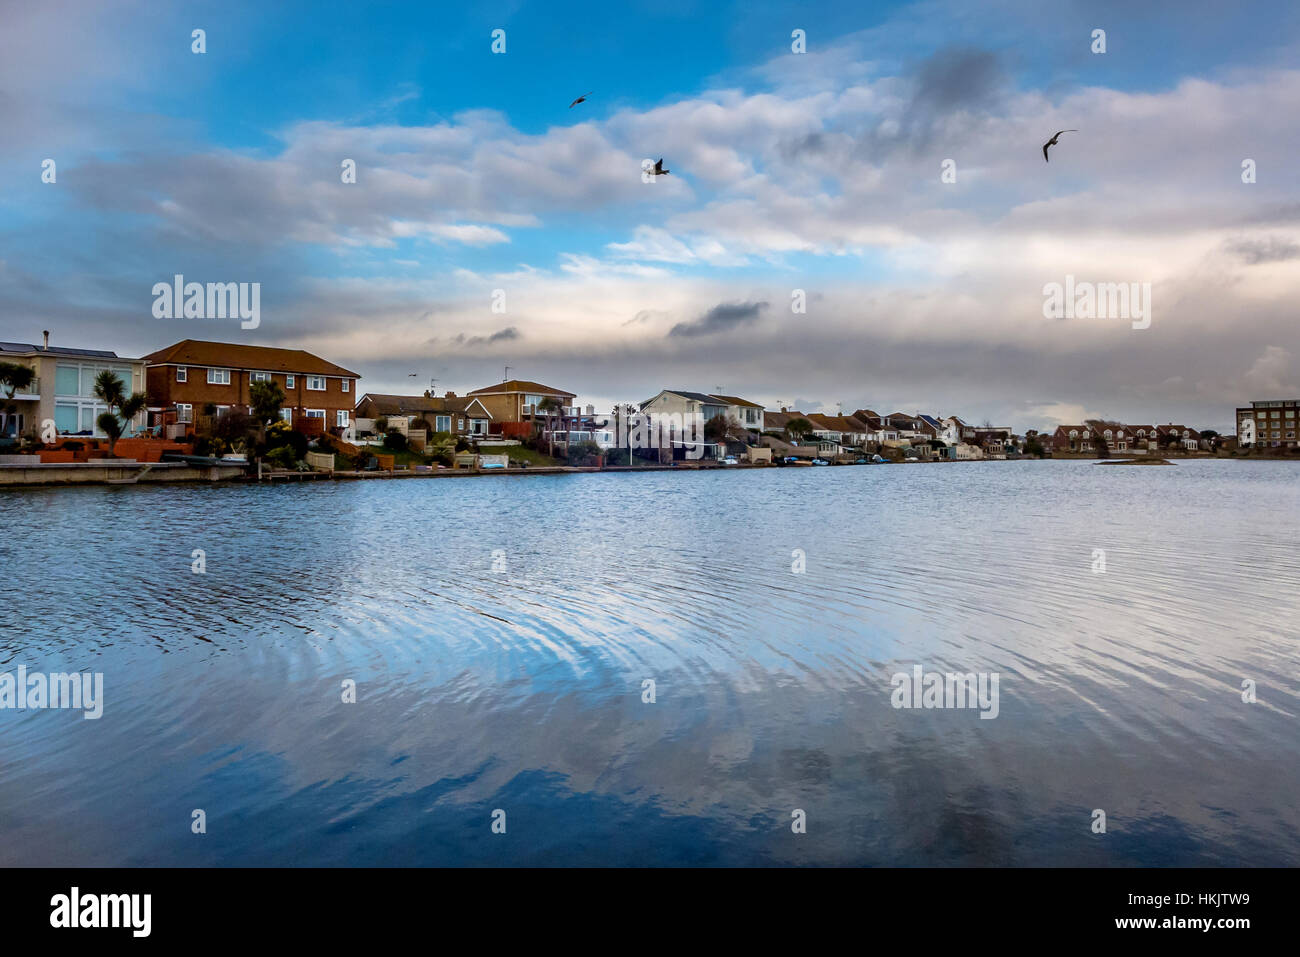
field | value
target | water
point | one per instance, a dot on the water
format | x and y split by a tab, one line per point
521	689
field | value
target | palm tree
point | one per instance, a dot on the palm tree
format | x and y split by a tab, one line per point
122	408
14	377
547	406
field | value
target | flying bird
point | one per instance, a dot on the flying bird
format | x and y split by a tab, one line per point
659	168
1052	142
581	99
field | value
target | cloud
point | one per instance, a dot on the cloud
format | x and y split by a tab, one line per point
1267	250
723	317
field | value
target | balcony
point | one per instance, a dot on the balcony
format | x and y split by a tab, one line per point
31	393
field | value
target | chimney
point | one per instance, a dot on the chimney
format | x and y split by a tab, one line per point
450	395
46	333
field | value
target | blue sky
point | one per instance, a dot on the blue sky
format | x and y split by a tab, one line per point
817	172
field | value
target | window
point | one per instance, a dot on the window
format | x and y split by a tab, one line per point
288	382
182	374
315	413
345	383
184	412
460	425
286	415
316	383
341	418
442	423
259	377
223	410
218	377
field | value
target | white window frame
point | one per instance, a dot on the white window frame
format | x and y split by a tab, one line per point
341	418
312	413
286	414
316	388
437	423
185	412
182	374
346	383
218	381
288	382
259	377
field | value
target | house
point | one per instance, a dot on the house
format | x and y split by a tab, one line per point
692	410
778	421
1140	438
63	388
513	406
848	431
879	431
186	377
1072	438
1270	423
748	414
914	428
1178	435
458	415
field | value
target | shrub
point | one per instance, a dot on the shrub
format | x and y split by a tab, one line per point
395	441
584	453
282	457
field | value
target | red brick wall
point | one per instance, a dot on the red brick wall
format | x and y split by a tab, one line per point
165	391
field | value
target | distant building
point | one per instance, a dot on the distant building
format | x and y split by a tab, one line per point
1268	423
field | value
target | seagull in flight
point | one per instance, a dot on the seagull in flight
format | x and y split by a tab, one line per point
581	99
1052	142
659	168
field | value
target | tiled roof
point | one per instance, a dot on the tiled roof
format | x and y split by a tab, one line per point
735	400
521	385
386	404
232	355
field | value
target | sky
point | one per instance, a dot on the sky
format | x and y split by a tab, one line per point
491	225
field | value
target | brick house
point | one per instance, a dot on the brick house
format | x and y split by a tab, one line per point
184	378
514	402
459	415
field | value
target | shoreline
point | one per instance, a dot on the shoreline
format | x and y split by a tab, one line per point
64	475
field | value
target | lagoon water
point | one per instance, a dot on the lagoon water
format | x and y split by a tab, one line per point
483	687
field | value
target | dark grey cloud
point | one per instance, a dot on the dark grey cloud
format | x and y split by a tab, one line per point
721	318
958	78
1268	250
508	334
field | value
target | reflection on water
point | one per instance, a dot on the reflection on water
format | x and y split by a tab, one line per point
521	688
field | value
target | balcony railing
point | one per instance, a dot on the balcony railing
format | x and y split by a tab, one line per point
32	391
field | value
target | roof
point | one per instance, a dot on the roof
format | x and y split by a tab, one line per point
735	400
520	385
387	404
234	355
931	420
778	420
693	396
23	348
839	423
